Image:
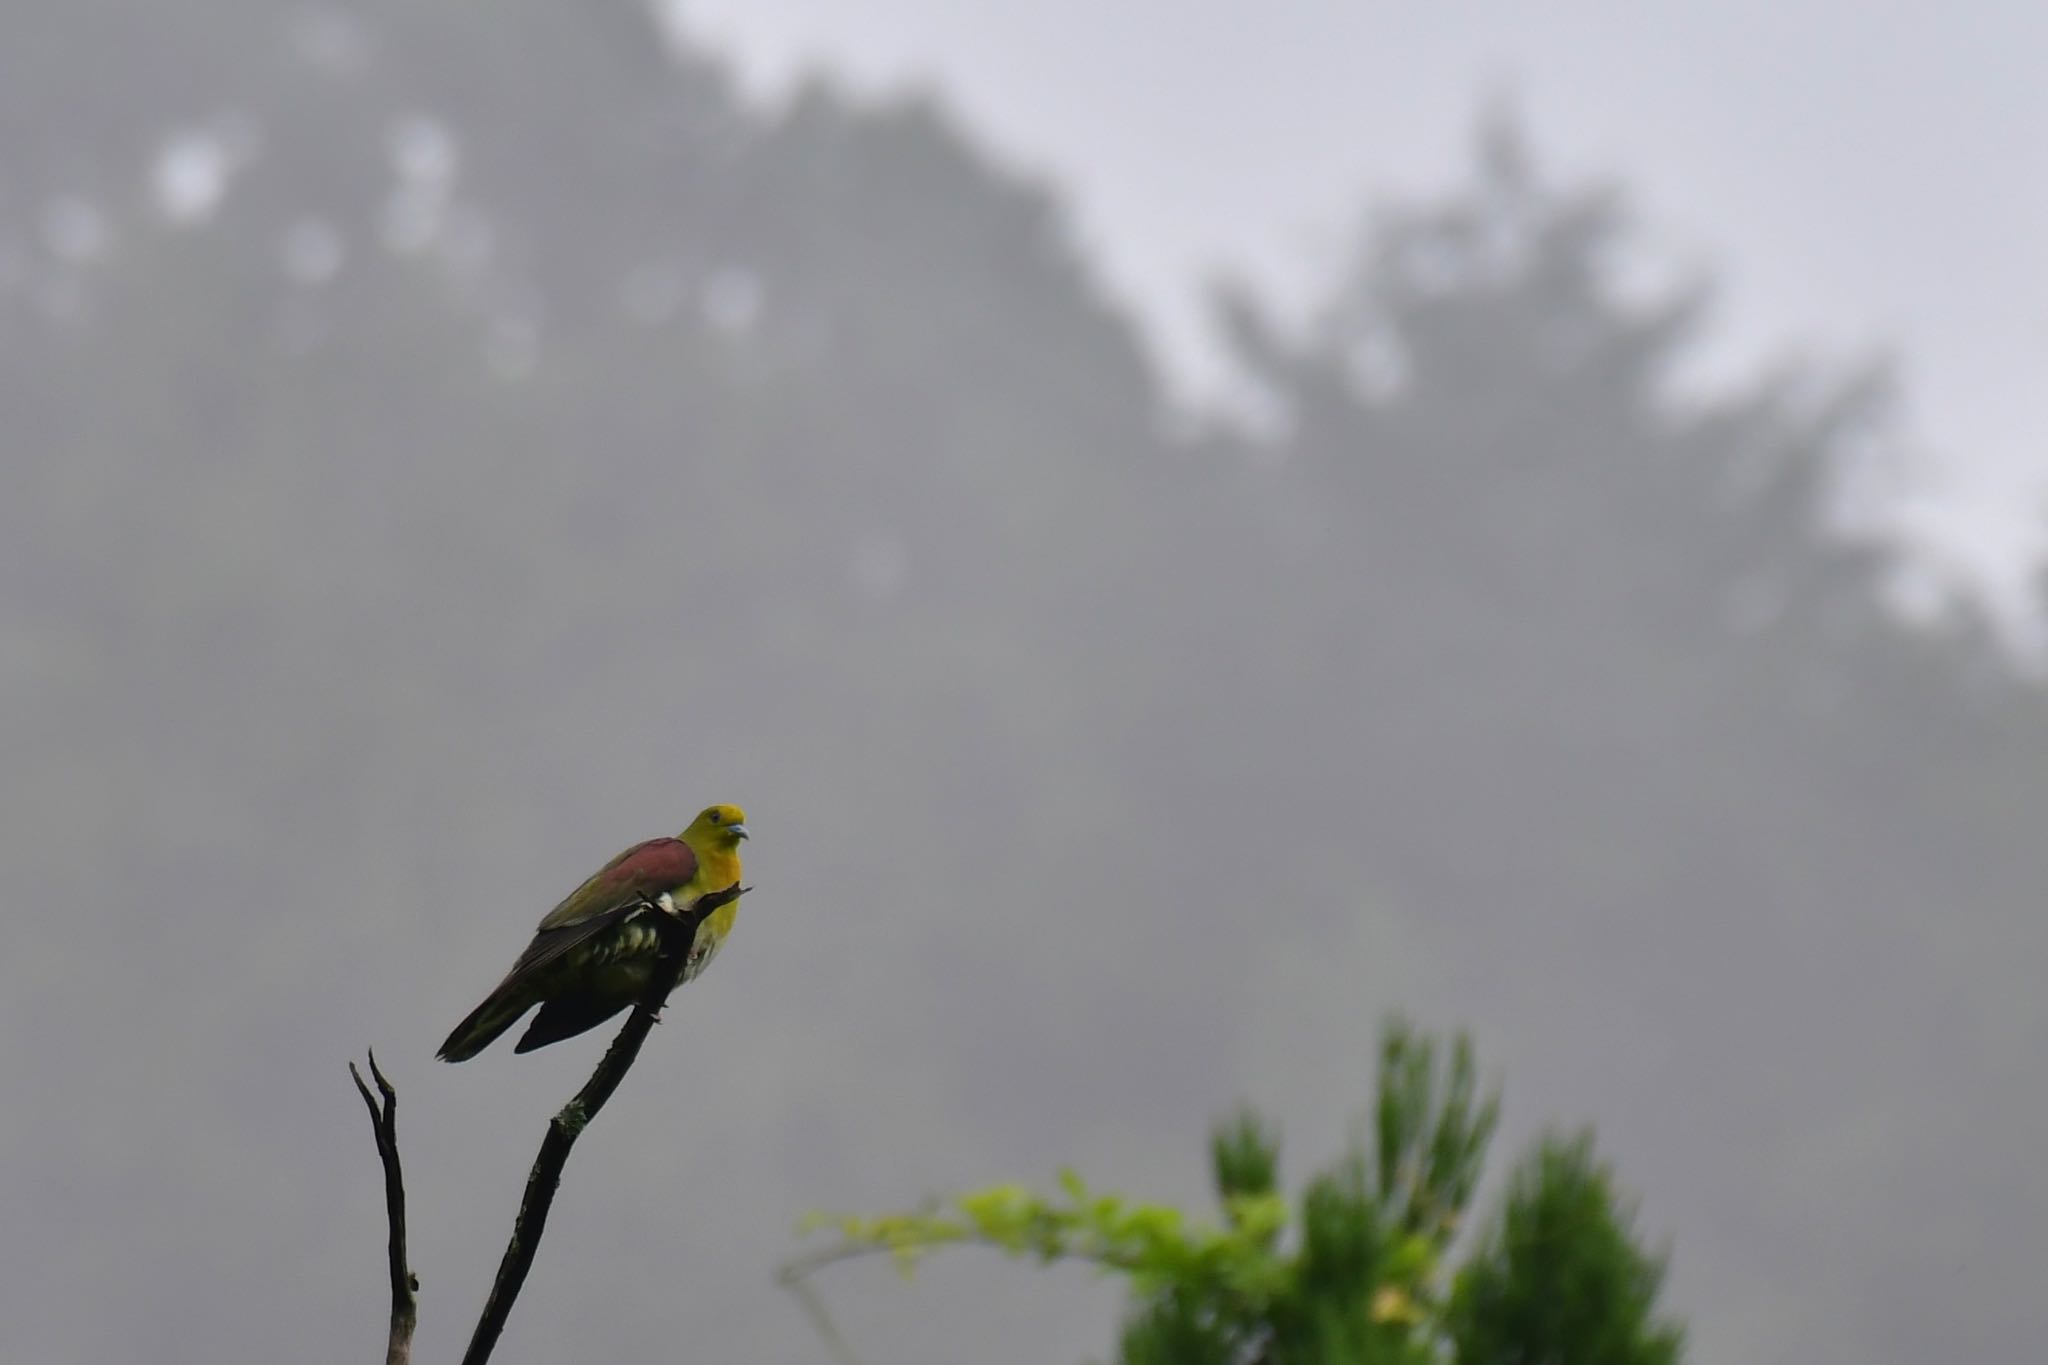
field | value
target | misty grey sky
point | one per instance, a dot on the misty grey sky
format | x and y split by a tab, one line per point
1861	175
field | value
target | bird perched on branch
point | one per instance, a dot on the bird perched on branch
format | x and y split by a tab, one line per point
595	953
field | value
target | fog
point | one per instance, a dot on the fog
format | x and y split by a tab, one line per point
1174	568
1814	157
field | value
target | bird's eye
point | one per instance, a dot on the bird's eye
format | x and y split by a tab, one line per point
714	816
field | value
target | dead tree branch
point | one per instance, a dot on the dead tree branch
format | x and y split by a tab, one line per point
405	1286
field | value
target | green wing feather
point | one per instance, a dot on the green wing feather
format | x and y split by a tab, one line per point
621	889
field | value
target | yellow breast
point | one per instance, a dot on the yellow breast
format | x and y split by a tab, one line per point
710	938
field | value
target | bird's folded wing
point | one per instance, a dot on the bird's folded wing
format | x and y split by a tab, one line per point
549	946
642	873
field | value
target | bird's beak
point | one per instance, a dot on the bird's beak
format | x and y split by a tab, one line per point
737	831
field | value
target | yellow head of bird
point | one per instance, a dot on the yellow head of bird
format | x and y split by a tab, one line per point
720	827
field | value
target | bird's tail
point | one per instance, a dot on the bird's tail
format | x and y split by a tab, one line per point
483	1024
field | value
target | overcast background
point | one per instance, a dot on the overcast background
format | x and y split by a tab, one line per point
444	445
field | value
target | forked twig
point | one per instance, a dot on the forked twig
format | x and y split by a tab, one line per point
405	1286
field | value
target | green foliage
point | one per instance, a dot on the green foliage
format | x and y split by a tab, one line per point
1559	1276
1353	1272
1155	1245
1245	1155
1430	1144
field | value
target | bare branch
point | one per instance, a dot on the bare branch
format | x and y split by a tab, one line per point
405	1286
567	1125
795	1278
796	1274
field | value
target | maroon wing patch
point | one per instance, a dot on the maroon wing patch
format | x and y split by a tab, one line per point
650	868
641	873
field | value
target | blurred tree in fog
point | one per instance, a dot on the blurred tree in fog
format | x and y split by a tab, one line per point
396	394
1619	679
